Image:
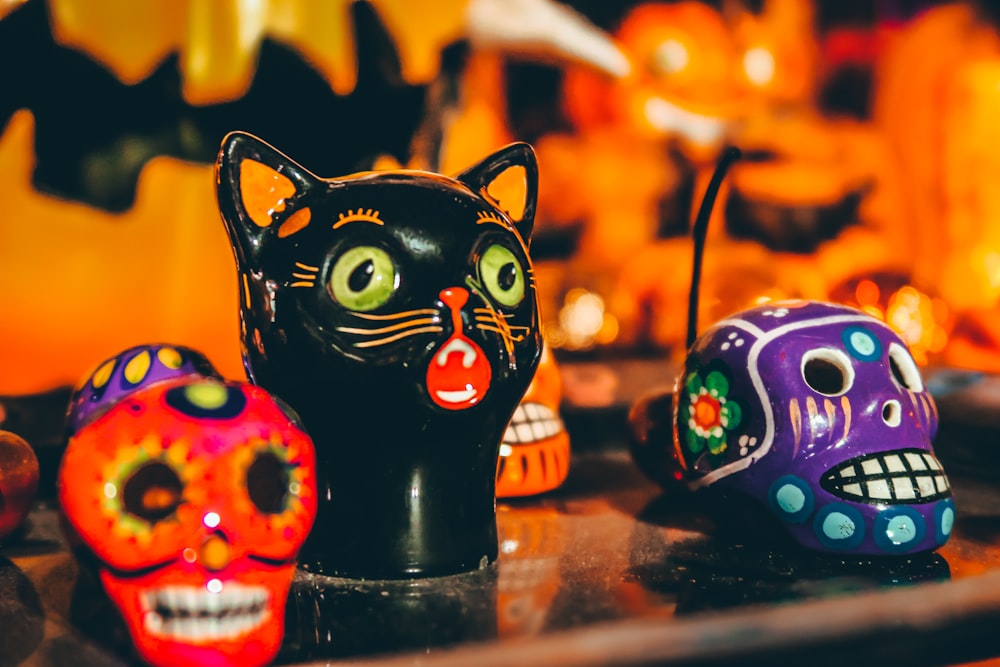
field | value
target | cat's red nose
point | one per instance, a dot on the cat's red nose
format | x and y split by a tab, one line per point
454	297
459	374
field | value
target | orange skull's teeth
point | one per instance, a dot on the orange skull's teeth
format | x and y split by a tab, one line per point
194	614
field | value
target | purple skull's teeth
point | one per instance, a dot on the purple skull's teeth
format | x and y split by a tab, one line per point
902	476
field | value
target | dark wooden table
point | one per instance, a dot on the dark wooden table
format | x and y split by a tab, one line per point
607	570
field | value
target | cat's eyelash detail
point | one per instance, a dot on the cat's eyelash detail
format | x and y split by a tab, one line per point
417	323
306	279
491	217
360	215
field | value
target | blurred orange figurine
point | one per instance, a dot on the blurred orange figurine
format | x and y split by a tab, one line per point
814	203
535	452
937	100
684	85
626	175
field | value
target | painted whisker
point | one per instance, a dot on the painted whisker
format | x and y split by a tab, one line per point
399	336
505	334
391	327
396	316
490	321
489	312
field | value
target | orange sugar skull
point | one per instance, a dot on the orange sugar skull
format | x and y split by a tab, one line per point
534	454
193	497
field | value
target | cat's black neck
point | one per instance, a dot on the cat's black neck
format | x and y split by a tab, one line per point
422	513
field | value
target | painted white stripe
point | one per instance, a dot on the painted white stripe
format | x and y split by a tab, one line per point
763	338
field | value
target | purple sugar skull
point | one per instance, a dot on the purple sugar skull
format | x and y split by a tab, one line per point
817	411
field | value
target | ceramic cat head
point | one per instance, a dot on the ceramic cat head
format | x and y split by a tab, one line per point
396	312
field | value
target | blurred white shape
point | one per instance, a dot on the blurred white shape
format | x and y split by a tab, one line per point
543	28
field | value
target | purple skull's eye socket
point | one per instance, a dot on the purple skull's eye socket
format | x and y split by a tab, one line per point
904	369
827	371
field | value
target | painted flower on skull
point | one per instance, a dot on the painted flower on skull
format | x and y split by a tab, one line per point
710	415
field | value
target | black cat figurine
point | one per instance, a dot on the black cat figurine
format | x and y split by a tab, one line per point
395	311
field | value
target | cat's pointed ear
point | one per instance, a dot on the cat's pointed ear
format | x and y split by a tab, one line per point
509	180
259	191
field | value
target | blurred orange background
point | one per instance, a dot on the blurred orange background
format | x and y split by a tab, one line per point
867	127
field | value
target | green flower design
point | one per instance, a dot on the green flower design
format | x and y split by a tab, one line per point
710	415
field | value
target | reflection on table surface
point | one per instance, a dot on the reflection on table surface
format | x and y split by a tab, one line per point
605	570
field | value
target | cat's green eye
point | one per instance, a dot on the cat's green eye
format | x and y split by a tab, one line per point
502	275
363	278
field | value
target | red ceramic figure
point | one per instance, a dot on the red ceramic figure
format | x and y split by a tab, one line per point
192	495
18	481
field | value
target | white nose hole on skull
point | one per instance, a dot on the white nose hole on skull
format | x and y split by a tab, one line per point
892	413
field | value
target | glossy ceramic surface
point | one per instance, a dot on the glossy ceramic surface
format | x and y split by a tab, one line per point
819	414
396	313
18	481
607	569
189	498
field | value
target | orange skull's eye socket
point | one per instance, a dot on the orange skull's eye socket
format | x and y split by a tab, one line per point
268	483
152	492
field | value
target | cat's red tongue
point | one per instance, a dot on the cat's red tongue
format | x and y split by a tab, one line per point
459	373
